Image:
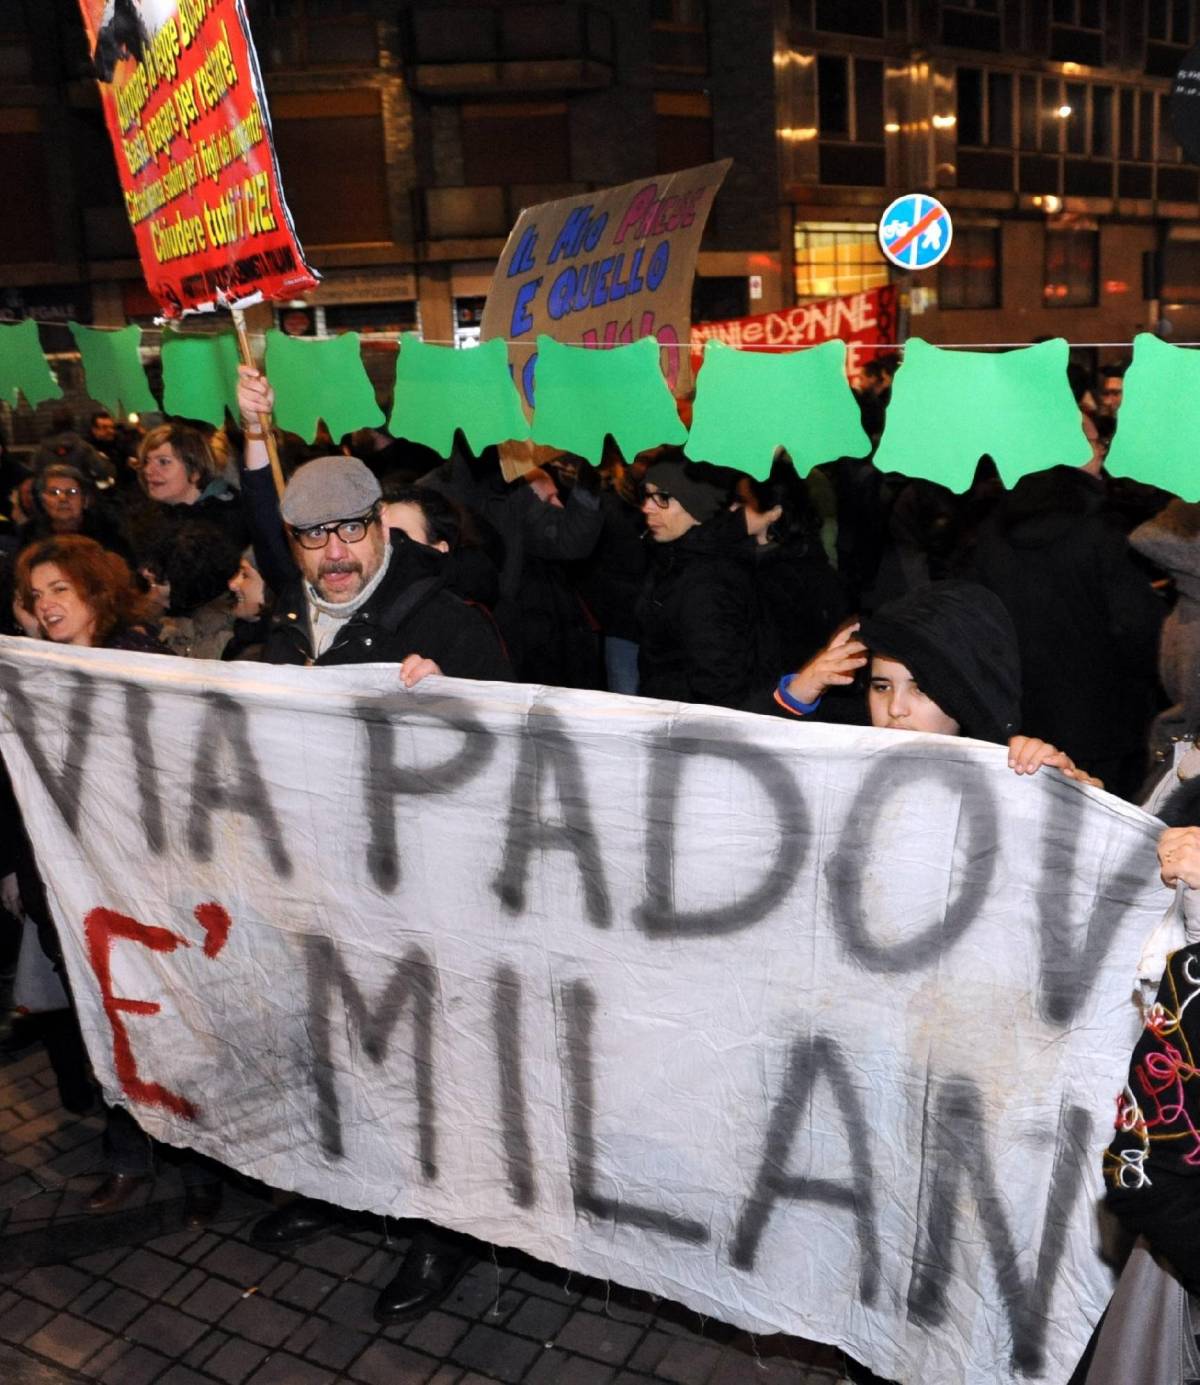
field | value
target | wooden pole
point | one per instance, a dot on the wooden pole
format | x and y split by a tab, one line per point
264	420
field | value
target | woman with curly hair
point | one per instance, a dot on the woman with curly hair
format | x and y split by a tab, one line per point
82	594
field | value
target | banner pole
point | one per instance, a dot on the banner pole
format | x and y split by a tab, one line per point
264	420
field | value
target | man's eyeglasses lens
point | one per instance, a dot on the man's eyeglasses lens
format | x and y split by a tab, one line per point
661	498
348	530
59	491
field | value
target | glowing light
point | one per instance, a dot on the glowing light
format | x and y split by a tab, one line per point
1064	112
135	419
944	122
892	128
797	135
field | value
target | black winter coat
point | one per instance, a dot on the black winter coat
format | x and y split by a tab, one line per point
1087	620
410	612
697	613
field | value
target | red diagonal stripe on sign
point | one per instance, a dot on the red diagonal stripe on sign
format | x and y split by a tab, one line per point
909	236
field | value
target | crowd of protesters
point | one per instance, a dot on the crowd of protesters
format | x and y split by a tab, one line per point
1055	617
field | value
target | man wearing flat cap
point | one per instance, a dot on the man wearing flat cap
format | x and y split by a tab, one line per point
353	592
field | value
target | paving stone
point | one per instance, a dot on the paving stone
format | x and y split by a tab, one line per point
688	1362
75	1134
497	1353
282	1369
435	1333
328	1344
352	1305
624	1305
196	1252
589	1334
388	1363
23	1319
212	1300
56	1285
262	1321
178	1374
307	1289
235	1361
118	1310
68	1340
73	1163
561	1368
100	1262
40	1207
478	1293
650	1351
539	1318
208	1345
340	1255
377	1268
176	1243
136	1366
555	1289
241	1263
166	1329
281	1272
95	1291
148	1273
184	1288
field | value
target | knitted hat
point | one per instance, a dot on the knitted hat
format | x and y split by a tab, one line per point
959	643
700	497
326	490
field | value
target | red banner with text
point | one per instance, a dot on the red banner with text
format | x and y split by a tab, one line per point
184	101
865	321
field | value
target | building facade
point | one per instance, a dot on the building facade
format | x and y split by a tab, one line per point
410	133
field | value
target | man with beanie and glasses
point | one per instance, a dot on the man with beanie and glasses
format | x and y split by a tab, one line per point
354	592
697	608
943	660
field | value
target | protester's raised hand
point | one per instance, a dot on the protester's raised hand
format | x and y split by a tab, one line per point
255	396
415	667
1179	856
835	665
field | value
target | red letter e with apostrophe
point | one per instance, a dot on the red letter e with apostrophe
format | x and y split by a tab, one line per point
103	927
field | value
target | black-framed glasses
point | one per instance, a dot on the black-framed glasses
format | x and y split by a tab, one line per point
661	498
59	491
348	530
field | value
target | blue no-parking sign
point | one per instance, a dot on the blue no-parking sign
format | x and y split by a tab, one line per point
915	231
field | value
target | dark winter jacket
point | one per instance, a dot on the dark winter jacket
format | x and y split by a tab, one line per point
801	601
410	612
1087	620
699	640
1152	1166
529	530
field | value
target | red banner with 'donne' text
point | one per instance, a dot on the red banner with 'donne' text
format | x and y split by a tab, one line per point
184	102
865	321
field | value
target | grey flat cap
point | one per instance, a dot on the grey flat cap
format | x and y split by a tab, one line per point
328	489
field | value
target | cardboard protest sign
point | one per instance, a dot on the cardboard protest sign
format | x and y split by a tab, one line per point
185	107
865	321
604	269
814	1029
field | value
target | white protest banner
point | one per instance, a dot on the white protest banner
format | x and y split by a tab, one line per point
810	1028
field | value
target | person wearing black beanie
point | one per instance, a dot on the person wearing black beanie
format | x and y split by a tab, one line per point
943	660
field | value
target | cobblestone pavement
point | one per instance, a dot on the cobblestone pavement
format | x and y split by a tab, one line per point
132	1298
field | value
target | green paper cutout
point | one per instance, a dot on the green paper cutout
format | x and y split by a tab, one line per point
199	374
112	367
582	393
439	389
322	379
949	408
23	366
749	403
1162	384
